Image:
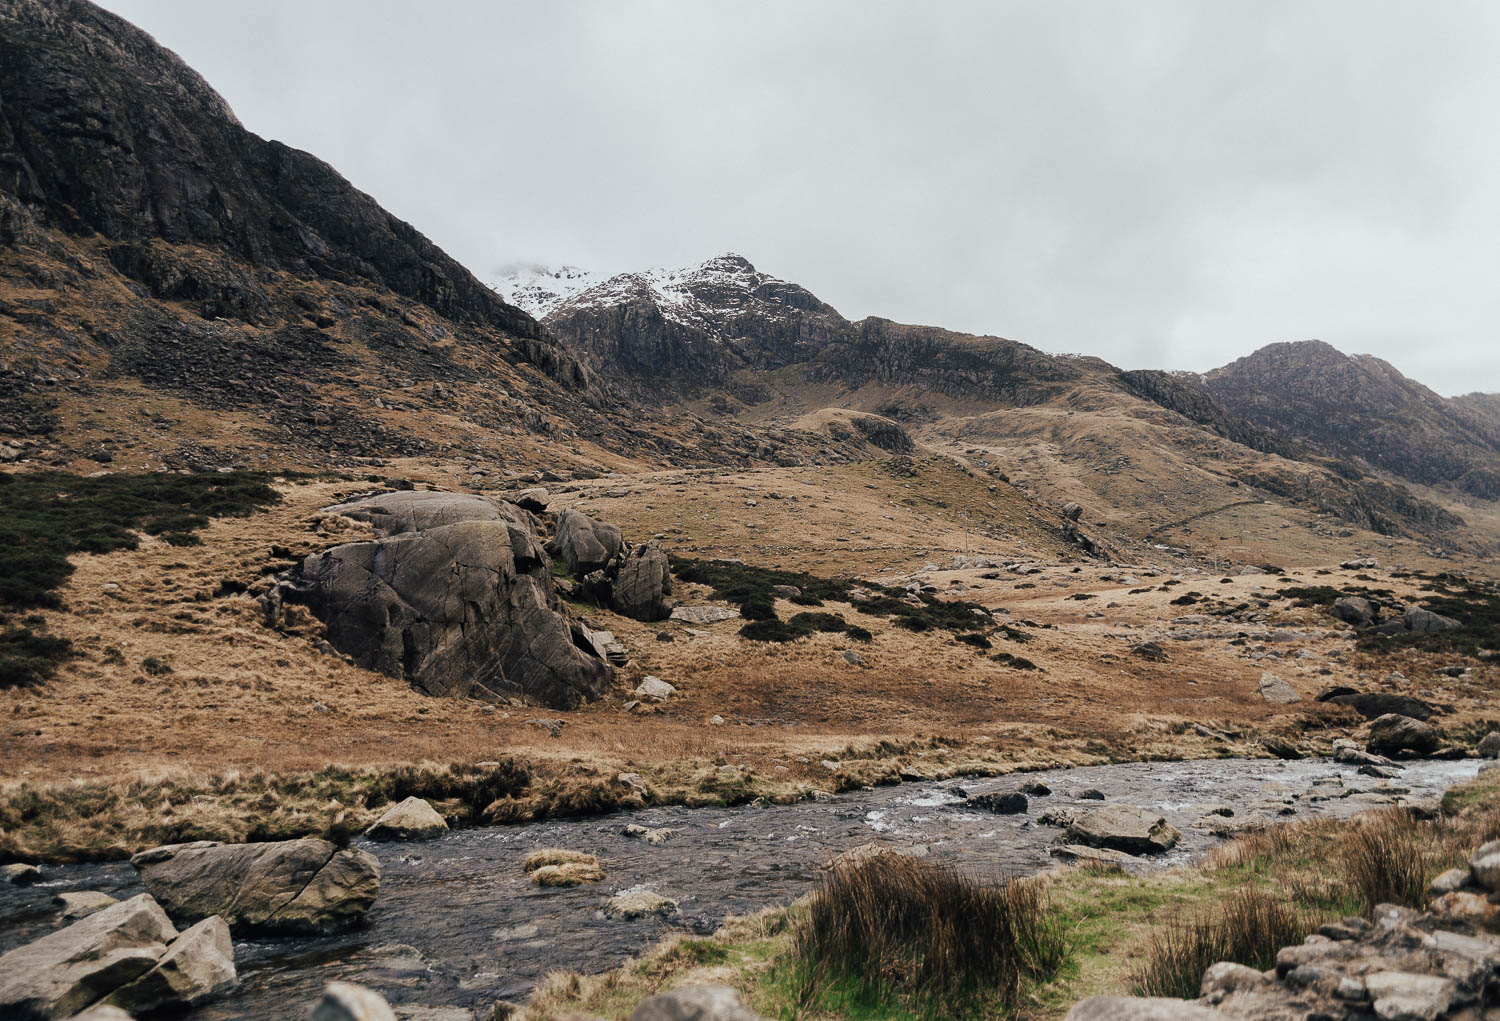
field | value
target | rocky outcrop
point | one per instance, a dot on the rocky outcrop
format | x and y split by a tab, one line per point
292	886
641	584
454	595
409	819
128	952
631	580
1400	965
198	966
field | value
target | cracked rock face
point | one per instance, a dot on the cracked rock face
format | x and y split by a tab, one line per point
454	595
291	886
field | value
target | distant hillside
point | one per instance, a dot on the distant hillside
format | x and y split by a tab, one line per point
1362	407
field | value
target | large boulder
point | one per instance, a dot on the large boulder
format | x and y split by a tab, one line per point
584	544
1123	828
1427	622
1372	704
1397	736
1356	610
65	971
294	886
695	1003
454	595
410	819
1277	691
198	966
643	582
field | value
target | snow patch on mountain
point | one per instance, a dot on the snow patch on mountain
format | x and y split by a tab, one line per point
690	295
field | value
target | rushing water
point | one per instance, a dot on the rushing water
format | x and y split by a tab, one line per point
457	924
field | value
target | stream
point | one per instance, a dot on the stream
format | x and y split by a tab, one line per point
457	925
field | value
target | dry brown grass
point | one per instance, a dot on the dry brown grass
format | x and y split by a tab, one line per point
242	699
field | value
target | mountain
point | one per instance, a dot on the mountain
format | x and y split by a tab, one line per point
177	291
725	338
1360	407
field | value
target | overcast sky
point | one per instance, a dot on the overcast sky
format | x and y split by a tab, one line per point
1161	183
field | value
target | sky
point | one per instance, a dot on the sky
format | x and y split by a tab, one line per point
1163	184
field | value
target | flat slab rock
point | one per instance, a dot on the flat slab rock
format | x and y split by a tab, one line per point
703	614
295	886
1123	828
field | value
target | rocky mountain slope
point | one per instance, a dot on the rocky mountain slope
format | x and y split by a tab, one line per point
727	339
1358	406
175	290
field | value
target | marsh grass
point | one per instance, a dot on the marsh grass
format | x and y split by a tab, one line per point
910	932
1249	927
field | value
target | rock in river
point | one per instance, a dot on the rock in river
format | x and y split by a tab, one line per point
198	966
299	886
411	819
1123	828
345	1001
65	971
1401	737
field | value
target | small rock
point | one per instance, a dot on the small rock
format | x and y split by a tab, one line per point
716	720
655	687
1000	802
410	819
1277	691
1489	746
1448	882
83	902
345	1001
655	836
1228	977
20	873
1402	996
695	1003
1484	865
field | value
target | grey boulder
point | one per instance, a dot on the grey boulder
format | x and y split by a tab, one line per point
1356	610
198	966
1277	691
1427	622
345	1001
1372	704
644	579
454	595
1489	745
293	886
1123	828
1397	736
410	819
65	971
695	1003
584	544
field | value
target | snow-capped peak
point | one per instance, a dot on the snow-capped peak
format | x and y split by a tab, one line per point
676	291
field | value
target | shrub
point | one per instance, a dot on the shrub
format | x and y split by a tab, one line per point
1249	927
905	928
27	658
46	516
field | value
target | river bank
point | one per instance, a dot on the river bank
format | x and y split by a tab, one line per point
458	925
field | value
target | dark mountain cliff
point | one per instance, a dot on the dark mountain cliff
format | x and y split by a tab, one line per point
104	131
1362	407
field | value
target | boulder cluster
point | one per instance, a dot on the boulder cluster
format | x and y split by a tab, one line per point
456	595
124	957
1400	965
